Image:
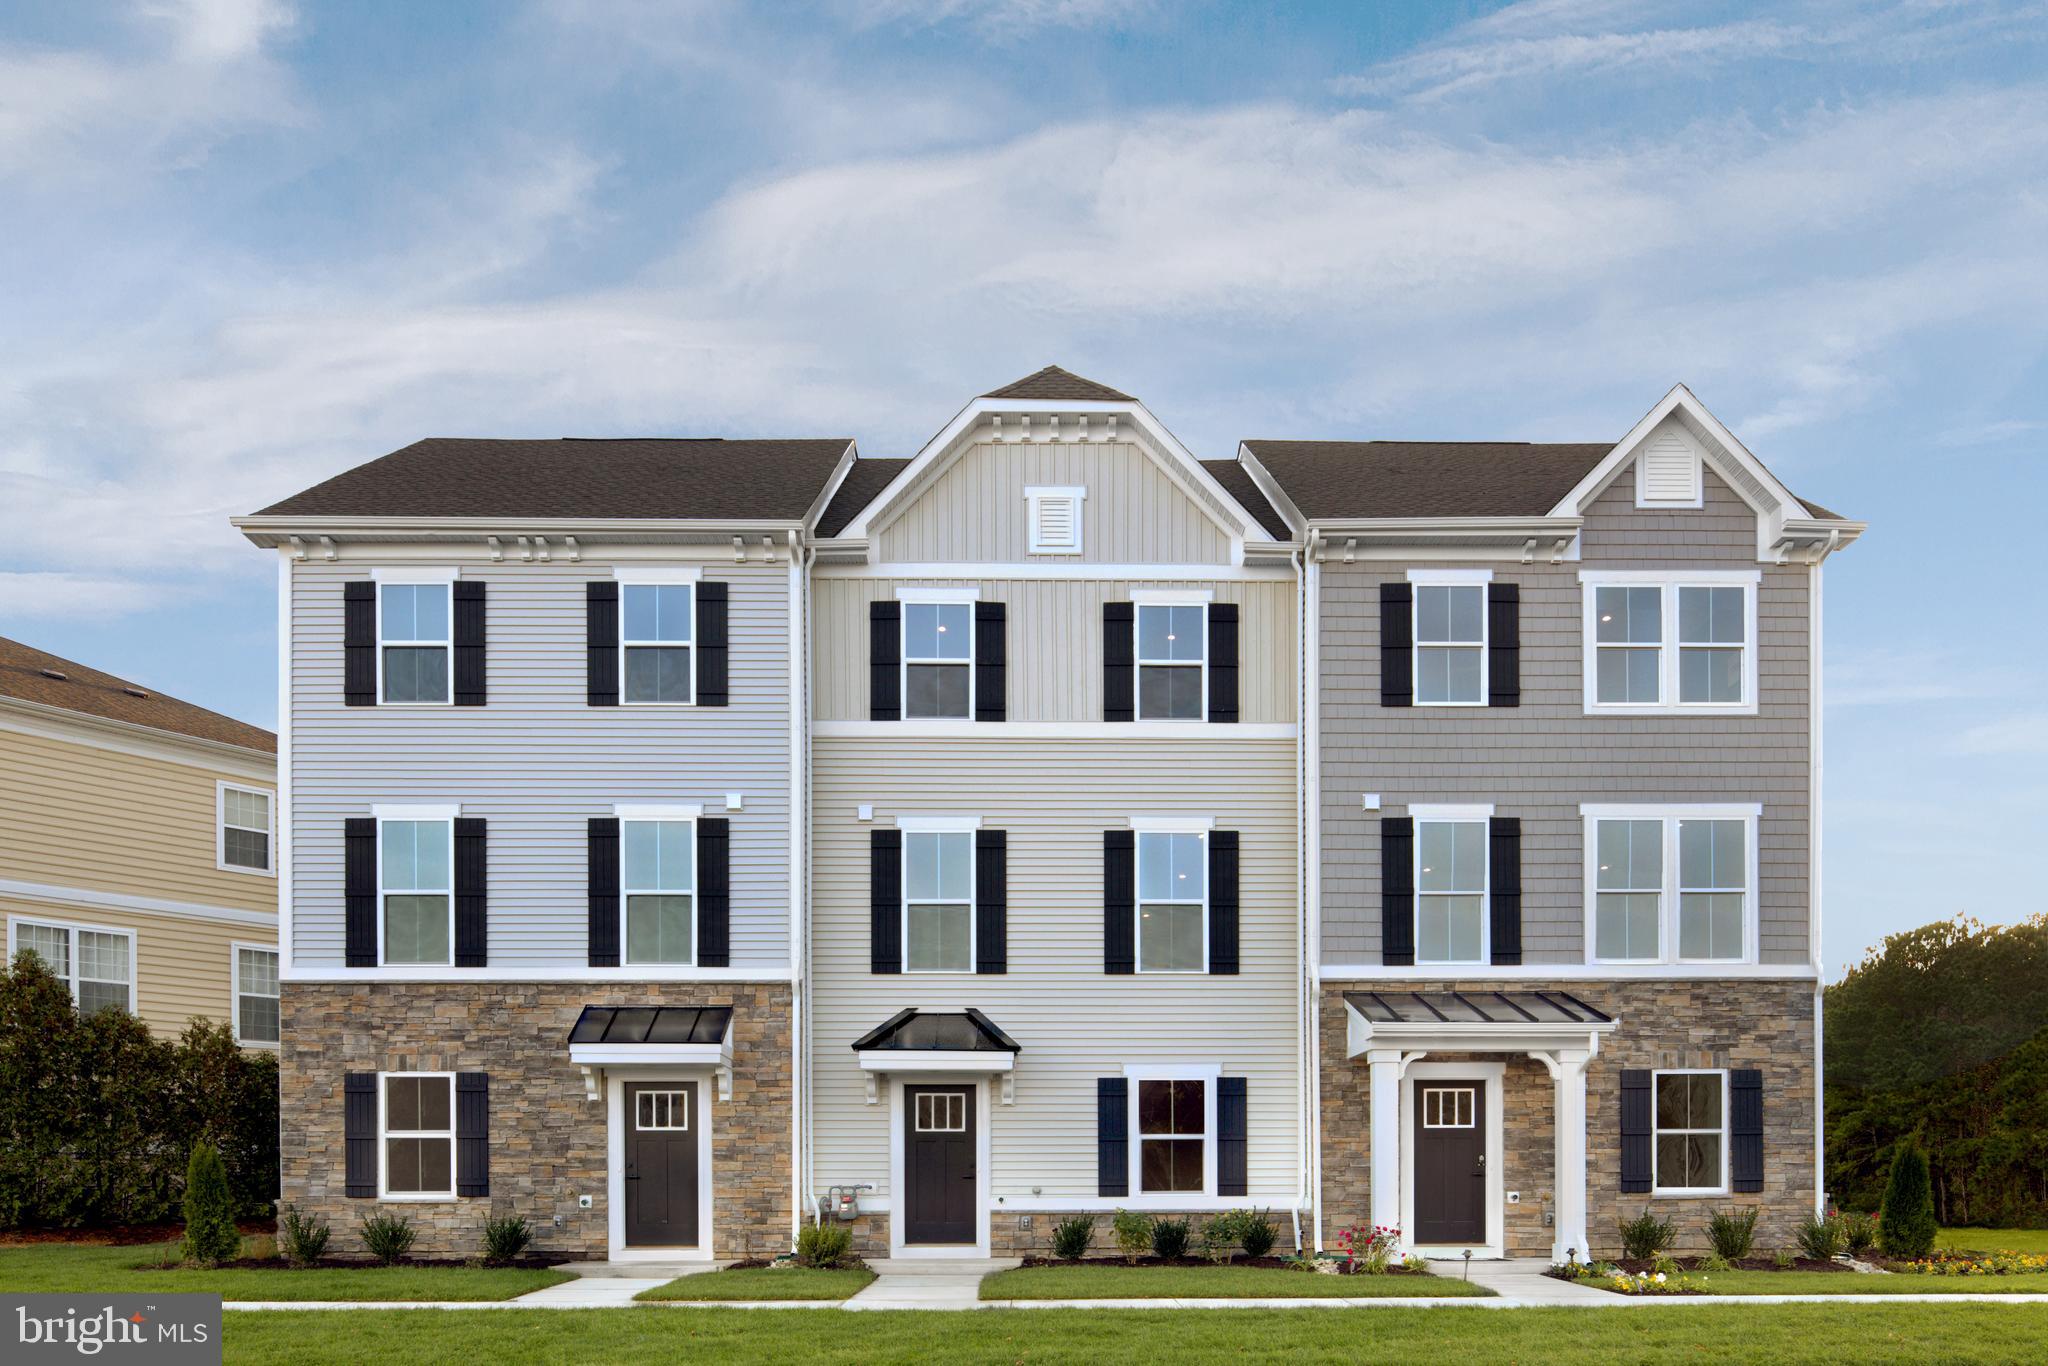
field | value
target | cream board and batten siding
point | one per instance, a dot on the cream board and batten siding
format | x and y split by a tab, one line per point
183	965
538	761
1541	760
976	511
1074	1022
1055	642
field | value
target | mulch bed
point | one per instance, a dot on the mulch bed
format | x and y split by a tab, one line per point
1746	1264
120	1235
1275	1263
362	1264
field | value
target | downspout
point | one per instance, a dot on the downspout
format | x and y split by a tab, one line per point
1813	906
1312	764
798	668
1303	1011
805	891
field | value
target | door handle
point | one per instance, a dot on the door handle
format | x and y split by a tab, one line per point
1482	1164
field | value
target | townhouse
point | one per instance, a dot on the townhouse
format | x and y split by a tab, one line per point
688	838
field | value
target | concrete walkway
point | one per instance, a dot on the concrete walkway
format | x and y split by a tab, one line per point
1521	1279
912	1283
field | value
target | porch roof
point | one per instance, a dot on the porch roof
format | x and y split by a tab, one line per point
1515	1008
966	1031
628	1025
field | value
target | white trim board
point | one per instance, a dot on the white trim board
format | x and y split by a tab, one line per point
1492	1076
1052	730
88	899
1142	573
615	1162
639	972
984	1164
140	742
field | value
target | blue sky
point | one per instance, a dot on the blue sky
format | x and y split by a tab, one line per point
245	244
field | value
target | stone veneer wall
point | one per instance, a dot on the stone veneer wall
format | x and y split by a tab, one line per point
1761	1024
548	1141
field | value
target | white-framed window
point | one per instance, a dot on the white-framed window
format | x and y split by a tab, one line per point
1671	884
1451	884
416	1135
658	889
1173	900
938	654
1450	637
657	643
1055	519
1173	1128
941	1112
938	898
416	889
95	962
1679	642
415	649
1449	1107
1173	677
244	838
661	1111
256	994
1689	1132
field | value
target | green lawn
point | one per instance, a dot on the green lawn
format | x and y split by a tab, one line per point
1839	1283
1798	1333
69	1266
1108	1281
1993	1239
763	1283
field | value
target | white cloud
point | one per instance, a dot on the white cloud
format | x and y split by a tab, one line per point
2022	734
1001	19
60	595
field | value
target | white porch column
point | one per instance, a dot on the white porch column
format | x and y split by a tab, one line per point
1385	1065
1569	1070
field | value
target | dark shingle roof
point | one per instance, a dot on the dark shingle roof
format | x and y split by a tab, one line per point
1237	482
25	673
1057	384
866	479
657	478
913	1031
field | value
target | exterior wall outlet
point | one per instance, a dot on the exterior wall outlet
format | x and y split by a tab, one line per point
1023	1221
1514	1197
584	1202
1549	1219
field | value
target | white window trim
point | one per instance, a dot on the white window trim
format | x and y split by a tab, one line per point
221	788
1453	815
656	815
384	1135
1199	826
1173	597
1750	813
1688	1192
1206	1073
1450	811
1167	598
427	814
664	574
1034	495
658	811
1174	825
235	973
444	579
1668	582
1448	578
657	578
942	825
956	597
72	927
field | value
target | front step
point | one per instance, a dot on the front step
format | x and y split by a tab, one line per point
942	1266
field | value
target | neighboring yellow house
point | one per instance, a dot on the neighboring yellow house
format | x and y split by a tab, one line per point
138	846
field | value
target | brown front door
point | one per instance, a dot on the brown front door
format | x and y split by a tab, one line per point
661	1163
1450	1163
938	1164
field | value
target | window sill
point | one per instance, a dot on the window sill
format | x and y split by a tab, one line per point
1655	709
238	868
1716	1193
418	1200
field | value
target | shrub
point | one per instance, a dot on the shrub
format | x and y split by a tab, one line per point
1783	1259
302	1240
1418	1264
388	1236
1905	1226
1072	1237
1646	1235
1219	1237
824	1245
1367	1250
1256	1233
210	1236
1821	1237
505	1239
1732	1232
1133	1233
1170	1238
1714	1261
1859	1233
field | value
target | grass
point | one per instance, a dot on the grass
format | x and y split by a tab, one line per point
72	1267
764	1283
1993	1239
1799	1333
1107	1281
1840	1283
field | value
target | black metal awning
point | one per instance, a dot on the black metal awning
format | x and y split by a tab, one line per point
1473	1007
652	1025
967	1031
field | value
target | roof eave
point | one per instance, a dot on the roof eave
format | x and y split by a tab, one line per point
271	531
115	726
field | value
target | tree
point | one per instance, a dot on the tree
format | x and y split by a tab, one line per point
1906	1225
210	1234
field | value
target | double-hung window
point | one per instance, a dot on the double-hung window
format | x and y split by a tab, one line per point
1173	901
244	829
1672	885
256	994
1450	886
1690	1134
1676	642
1450	638
1173	1135
658	882
938	659
657	639
1171	658
417	1121
938	900
416	890
98	965
413	641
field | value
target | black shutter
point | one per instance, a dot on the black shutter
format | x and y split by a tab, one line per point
601	636
714	892
1504	876
1397	645
1119	901
1503	645
1635	1131
885	899
359	643
359	1134
1746	1129
1397	891
359	890
991	662
472	1133
1223	902
885	658
1119	661
711	630
1112	1136
472	887
604	891
469	642
1223	661
1232	1148
991	901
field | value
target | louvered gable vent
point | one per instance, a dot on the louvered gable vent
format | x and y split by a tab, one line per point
1668	473
1055	520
